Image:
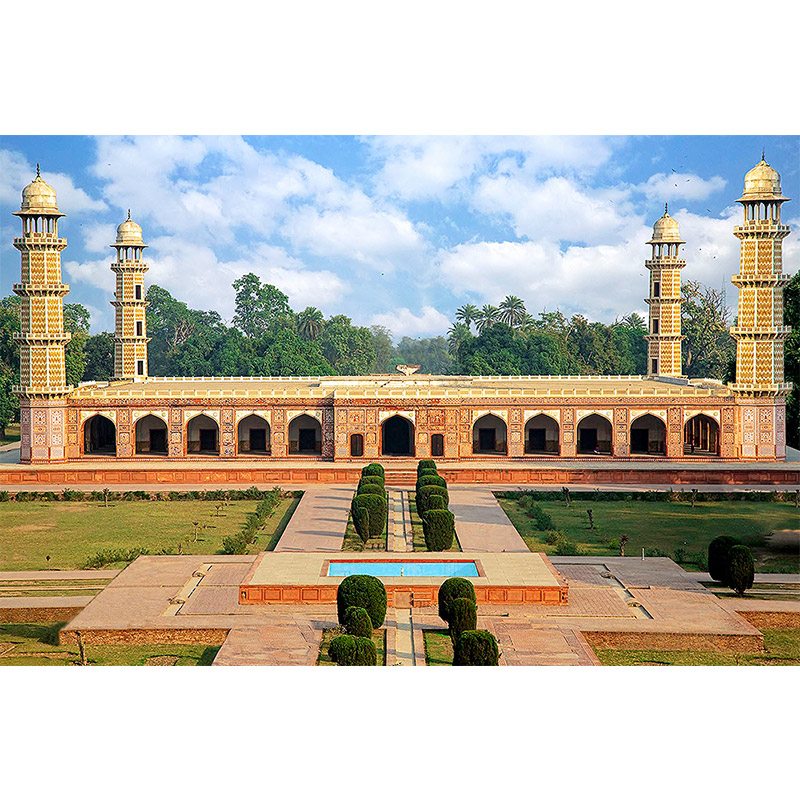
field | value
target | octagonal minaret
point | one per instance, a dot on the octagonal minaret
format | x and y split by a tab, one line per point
130	330
759	331
665	265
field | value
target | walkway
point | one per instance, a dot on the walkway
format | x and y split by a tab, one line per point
481	525
401	536
319	522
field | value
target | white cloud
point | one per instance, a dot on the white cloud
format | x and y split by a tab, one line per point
680	186
404	322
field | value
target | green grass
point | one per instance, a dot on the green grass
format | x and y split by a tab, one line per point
663	525
324	660
438	649
34	645
72	532
782	648
416	527
11	434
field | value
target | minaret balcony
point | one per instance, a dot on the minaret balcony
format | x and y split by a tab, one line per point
37	241
777	389
776	279
44	339
765	332
30	289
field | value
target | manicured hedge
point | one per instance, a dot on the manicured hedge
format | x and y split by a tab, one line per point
463	616
425	492
353	651
376	480
360	520
719	556
476	649
374	469
451	589
99	495
658	496
436	501
439	528
371	488
363	591
357	622
426	464
741	570
431	480
378	512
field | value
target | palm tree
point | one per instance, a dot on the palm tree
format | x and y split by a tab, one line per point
512	311
458	334
467	314
487	317
310	323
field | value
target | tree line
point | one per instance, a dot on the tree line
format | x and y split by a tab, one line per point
267	337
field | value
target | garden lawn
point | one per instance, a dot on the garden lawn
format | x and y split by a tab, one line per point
324	660
662	528
438	649
416	527
71	532
36	645
782	648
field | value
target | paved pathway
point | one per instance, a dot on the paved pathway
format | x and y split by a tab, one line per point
319	522
400	538
27	576
481	525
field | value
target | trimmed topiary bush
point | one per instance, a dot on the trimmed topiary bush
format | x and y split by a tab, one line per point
425	492
376	505
371	488
363	591
435	502
376	480
353	651
476	649
463	617
361	521
718	556
430	480
357	622
439	528
426	464
451	589
741	570
374	469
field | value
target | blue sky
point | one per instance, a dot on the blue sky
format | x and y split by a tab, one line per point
397	231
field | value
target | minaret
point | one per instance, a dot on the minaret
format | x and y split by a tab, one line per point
42	380
664	337
130	330
759	331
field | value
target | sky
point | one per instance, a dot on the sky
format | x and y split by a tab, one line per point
395	231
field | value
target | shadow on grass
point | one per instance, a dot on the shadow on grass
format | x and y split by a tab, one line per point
208	656
45	634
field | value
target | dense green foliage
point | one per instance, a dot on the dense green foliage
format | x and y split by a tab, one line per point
357	622
430	480
361	521
424	492
373	469
476	649
371	488
363	591
451	589
436	502
353	651
253	525
426	464
378	511
439	528
718	557
741	569
375	480
463	617
791	355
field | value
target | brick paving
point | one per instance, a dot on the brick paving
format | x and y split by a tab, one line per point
319	522
481	525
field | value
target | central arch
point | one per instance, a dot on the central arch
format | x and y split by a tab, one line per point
99	436
253	436
305	436
151	436
202	436
594	436
397	436
648	436
542	436
490	436
701	436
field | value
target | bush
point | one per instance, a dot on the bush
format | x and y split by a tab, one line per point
378	511
357	622
373	469
375	480
436	502
426	464
361	521
566	547
543	521
452	589
718	557
463	617
439	528
553	537
425	492
430	480
371	488
741	569
363	591
353	651
476	649
115	556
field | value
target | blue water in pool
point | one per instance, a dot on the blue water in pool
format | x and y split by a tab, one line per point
404	569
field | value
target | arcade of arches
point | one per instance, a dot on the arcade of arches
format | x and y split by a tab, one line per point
151	436
490	436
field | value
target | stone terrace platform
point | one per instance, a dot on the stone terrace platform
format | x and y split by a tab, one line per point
508	578
153	473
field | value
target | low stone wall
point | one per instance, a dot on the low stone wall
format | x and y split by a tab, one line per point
645	640
208	636
772	619
39	614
